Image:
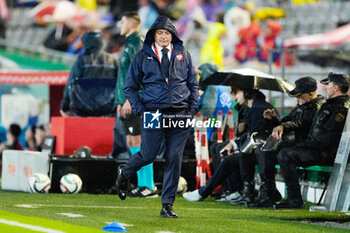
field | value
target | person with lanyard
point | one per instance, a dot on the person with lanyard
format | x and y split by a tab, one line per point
163	70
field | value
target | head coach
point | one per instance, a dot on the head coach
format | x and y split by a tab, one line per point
163	71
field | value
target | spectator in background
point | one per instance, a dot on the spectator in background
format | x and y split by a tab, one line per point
30	138
12	135
234	19
57	39
40	134
113	42
94	64
148	14
211	8
212	50
119	7
4	14
2	134
269	41
246	49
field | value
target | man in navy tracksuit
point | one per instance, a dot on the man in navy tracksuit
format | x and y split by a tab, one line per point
164	72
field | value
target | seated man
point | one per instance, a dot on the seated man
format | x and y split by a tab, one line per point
321	145
292	129
239	163
232	183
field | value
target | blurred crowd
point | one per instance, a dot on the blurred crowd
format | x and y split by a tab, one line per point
29	138
238	31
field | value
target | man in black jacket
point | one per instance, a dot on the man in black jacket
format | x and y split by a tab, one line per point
321	145
291	129
164	71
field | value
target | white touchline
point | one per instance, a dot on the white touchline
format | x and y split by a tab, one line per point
128	207
30	227
71	215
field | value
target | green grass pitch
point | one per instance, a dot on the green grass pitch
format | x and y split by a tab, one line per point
49	211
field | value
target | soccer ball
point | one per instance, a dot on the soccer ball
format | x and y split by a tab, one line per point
39	183
182	186
71	183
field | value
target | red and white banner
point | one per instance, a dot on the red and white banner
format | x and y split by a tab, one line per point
34	77
335	37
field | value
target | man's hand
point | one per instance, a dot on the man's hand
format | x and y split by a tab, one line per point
270	113
241	127
119	109
277	132
66	114
227	148
126	109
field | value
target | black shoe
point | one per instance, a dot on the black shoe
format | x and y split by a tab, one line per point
122	184
290	204
276	195
268	196
248	194
168	212
261	203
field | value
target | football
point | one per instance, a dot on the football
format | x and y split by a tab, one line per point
71	183
39	183
182	186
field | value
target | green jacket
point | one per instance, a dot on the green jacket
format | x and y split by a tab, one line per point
133	44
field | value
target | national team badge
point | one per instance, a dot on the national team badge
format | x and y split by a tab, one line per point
180	57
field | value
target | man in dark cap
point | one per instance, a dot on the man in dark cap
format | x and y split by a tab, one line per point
290	130
320	147
96	65
164	71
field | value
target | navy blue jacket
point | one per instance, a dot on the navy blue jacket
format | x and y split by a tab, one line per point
256	121
145	73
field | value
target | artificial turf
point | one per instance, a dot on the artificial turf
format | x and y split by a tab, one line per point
142	215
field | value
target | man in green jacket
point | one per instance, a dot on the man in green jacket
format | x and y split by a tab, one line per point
129	26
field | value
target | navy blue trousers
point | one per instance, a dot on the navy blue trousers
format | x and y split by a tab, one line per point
151	139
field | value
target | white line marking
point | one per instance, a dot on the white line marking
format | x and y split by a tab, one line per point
30	227
134	207
164	232
77	206
26	206
71	215
123	224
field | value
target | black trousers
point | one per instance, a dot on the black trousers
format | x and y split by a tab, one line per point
233	182
240	166
292	157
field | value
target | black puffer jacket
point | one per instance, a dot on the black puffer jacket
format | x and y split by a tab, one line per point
300	119
327	126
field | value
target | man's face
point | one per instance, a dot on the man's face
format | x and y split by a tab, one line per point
239	97
330	89
304	98
163	37
124	26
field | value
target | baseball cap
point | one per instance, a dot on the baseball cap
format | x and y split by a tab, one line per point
303	85
340	79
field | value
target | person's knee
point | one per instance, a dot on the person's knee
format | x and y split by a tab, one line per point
283	156
134	140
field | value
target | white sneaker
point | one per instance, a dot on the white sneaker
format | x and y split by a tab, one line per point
230	197
233	196
193	196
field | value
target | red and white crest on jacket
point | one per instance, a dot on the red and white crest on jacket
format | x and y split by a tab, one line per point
180	57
